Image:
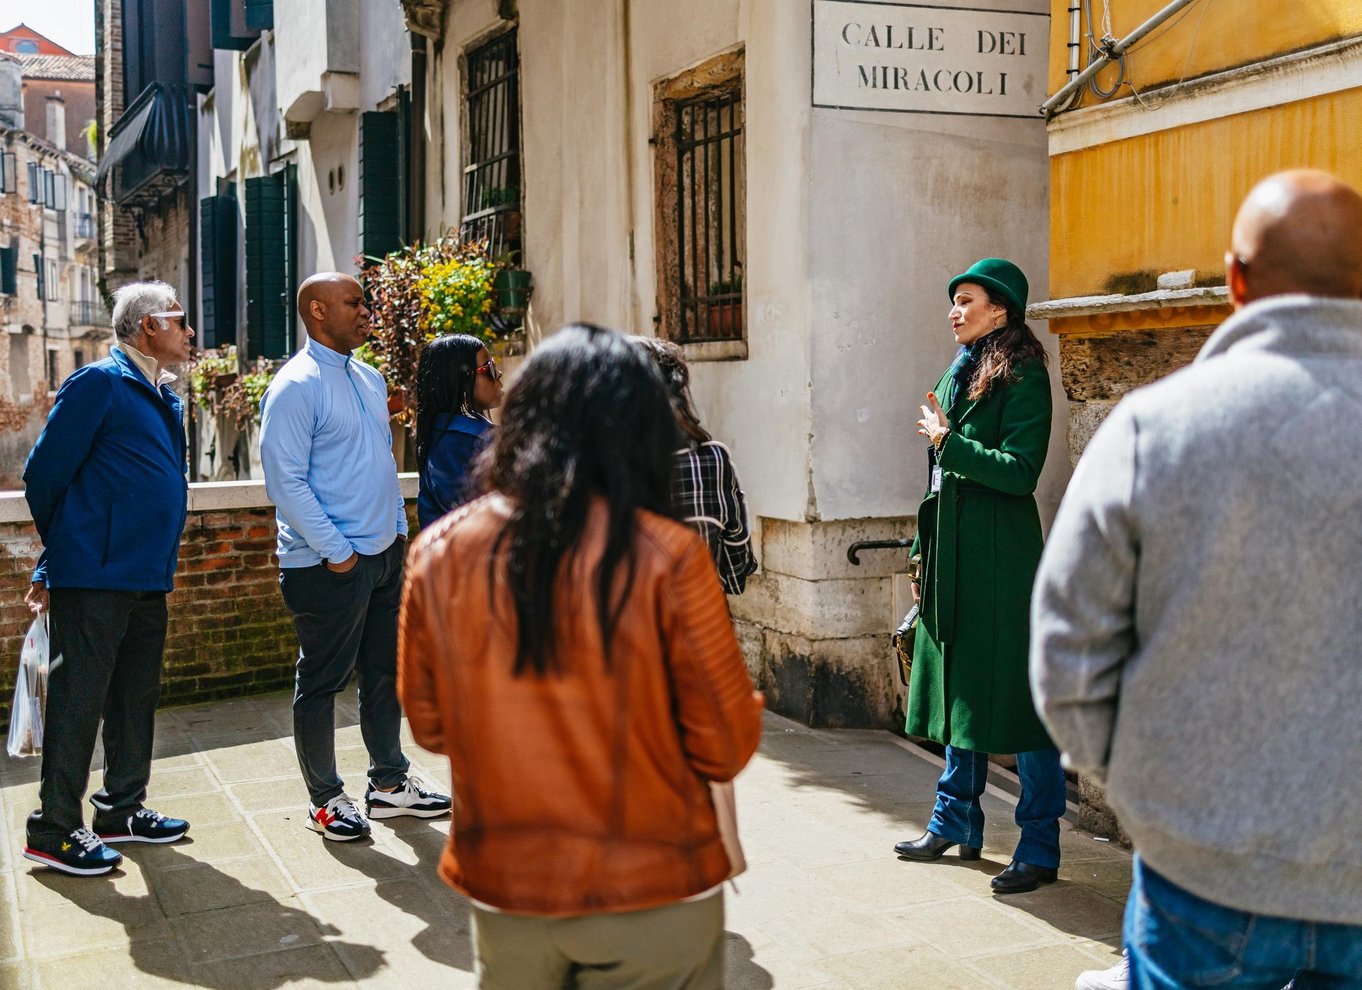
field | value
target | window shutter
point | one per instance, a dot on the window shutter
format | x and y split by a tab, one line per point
38	273
260	15
6	171
49	189
380	181
217	229
270	253
60	197
35	183
9	270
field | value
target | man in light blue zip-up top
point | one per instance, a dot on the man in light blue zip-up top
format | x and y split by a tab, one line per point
326	449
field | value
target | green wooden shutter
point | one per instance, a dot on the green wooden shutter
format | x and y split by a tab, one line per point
217	228
268	269
9	270
380	184
260	15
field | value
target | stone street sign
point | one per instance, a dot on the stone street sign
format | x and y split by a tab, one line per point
928	58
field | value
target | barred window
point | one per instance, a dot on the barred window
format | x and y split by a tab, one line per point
702	203
492	190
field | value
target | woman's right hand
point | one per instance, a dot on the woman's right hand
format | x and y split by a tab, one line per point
915	586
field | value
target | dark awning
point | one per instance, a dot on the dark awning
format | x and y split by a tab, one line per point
149	144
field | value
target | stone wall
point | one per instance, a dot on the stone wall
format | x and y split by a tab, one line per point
229	631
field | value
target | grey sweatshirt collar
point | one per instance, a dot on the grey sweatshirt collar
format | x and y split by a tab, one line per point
1297	325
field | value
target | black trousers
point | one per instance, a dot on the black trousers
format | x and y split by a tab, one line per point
346	623
110	644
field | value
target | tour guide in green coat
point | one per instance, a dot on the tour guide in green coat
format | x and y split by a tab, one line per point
988	426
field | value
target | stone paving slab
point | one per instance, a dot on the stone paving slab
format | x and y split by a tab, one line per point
256	901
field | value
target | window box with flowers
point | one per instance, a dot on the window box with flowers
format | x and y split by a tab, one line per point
422	292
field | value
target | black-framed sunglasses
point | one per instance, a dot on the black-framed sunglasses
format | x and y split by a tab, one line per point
490	368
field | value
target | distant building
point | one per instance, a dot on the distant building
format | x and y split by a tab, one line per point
23	40
51	310
60	86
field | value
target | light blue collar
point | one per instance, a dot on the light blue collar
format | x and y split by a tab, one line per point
325	355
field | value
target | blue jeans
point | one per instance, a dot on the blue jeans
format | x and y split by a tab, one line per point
1177	940
959	817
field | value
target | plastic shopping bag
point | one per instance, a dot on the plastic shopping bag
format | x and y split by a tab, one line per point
30	693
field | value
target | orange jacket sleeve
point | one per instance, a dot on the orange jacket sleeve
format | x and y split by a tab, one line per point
415	650
719	714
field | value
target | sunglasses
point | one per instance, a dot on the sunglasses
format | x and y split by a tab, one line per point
490	368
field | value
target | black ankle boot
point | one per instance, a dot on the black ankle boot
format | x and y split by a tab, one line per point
931	847
1020	877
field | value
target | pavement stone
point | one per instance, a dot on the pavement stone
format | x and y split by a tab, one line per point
256	901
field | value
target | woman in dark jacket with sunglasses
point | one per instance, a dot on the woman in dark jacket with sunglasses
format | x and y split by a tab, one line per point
457	384
987	429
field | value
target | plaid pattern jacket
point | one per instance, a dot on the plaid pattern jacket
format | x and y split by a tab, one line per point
706	492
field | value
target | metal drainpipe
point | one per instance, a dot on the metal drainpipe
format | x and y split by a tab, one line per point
190	298
1075	36
1109	55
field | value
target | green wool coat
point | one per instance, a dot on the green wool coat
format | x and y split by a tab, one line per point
980	541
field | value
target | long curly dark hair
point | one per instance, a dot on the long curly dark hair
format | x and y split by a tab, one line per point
671	362
587	417
1005	349
444	384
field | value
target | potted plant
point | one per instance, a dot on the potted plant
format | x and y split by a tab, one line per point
418	293
210	375
723	307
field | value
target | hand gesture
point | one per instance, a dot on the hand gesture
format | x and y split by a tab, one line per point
933	425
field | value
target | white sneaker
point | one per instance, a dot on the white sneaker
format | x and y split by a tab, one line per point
1116	978
339	820
412	798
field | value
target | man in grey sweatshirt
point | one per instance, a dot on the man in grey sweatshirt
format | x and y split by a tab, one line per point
1196	627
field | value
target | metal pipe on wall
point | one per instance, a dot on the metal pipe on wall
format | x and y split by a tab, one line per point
1109	55
1075	36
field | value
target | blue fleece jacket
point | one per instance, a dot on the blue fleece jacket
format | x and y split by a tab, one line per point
106	481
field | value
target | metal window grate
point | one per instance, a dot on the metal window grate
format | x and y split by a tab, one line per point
491	202
711	216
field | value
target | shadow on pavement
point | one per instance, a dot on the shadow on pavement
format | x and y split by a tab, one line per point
242	939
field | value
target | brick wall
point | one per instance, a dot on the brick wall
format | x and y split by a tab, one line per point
229	632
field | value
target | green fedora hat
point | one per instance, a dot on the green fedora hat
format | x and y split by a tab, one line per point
999	276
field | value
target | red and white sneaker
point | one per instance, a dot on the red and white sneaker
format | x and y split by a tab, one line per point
338	820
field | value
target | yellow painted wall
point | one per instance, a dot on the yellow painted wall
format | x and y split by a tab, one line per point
1165	201
1230	33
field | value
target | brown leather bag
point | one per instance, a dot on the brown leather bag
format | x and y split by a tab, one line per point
726	811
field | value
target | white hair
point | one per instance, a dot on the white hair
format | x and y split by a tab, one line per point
136	300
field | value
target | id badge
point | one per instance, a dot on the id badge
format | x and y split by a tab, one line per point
936	478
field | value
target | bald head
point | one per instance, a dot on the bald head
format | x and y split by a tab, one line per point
1298	231
332	308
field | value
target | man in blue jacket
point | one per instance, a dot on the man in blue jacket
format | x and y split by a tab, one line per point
106	485
326	448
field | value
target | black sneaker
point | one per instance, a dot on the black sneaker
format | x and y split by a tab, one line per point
80	854
412	798
338	820
143	825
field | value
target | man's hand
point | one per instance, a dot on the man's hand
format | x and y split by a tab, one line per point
37	598
345	566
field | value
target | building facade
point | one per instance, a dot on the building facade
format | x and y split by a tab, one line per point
1146	179
50	305
785	188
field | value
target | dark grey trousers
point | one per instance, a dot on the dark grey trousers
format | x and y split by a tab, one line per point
346	624
110	644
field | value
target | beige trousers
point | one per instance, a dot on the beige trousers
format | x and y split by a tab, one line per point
675	947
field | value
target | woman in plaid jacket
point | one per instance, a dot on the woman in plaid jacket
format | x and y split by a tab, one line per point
705	486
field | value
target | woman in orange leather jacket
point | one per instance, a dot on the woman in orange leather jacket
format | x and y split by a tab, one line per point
566	643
